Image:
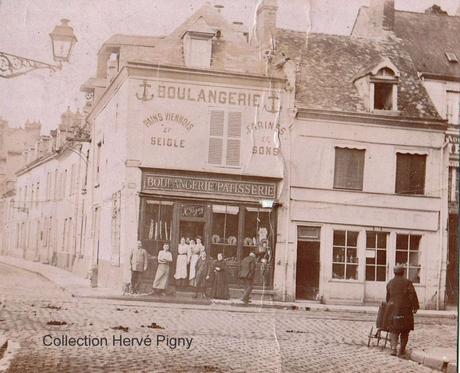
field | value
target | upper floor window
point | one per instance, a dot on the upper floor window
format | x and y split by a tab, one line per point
224	138
410	173
385	84
453	107
197	44
349	168
378	86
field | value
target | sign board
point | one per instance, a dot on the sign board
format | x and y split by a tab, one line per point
208	185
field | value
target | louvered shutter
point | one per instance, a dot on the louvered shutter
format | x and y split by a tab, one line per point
216	134
233	139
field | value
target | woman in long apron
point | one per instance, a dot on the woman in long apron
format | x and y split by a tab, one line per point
194	256
181	262
162	275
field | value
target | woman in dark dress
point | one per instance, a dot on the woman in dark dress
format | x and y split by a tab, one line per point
219	288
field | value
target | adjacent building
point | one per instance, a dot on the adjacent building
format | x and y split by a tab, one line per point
15	143
436	57
48	218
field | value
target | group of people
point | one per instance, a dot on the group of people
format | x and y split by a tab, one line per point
188	253
193	266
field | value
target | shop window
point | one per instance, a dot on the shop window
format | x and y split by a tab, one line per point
344	255
157	225
224	138
408	254
224	231
349	168
258	232
376	256
410	173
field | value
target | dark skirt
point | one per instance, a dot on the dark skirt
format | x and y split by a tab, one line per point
219	288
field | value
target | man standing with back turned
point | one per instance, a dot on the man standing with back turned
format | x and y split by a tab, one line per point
247	272
402	304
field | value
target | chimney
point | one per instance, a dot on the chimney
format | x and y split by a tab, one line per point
381	17
112	66
265	26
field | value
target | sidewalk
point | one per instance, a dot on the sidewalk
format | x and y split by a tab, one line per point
441	359
80	287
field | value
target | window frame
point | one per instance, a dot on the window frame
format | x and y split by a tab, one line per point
407	264
345	262
376	249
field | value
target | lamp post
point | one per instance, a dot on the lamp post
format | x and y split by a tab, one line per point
62	40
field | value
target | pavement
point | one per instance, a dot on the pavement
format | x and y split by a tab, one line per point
423	352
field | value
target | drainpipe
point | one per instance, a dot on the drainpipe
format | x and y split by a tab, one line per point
442	262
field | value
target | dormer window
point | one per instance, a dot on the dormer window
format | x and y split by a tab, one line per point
451	57
385	85
379	87
198	45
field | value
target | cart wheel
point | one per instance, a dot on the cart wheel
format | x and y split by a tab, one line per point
370	337
386	340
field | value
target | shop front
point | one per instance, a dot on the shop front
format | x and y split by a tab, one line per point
224	212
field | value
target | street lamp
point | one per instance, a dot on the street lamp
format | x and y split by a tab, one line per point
62	40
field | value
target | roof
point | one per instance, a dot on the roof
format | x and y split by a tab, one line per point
231	51
428	37
330	63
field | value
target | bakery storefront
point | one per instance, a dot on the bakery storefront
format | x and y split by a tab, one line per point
224	211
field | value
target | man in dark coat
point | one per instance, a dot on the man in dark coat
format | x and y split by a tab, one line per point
247	272
402	304
202	271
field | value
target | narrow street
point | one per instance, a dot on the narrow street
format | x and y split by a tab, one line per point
240	340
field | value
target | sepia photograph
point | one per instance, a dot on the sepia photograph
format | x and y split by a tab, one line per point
229	185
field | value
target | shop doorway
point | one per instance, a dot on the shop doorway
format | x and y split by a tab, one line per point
191	229
308	263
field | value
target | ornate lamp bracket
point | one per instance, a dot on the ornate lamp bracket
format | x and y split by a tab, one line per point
12	66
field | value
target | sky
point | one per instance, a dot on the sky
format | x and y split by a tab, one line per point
43	96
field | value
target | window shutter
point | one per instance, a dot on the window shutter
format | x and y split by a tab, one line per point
233	139
410	173
216	134
349	168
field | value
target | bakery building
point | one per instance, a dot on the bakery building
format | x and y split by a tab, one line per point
187	132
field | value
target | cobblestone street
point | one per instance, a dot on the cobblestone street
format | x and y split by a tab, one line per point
239	340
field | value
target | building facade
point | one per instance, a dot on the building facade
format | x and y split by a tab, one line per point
48	217
436	57
334	172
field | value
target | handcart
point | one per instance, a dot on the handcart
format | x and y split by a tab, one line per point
381	332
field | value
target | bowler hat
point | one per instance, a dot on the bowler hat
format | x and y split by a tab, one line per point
399	269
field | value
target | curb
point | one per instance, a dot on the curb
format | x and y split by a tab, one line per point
443	360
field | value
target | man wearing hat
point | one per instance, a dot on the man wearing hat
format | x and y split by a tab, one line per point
402	305
138	264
